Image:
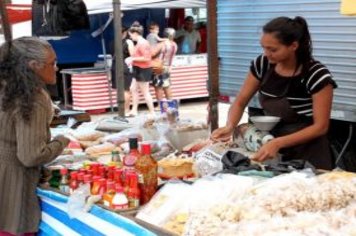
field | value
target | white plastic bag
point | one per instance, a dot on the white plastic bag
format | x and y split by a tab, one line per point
208	161
76	201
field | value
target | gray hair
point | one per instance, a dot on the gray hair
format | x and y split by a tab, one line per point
30	48
169	33
18	82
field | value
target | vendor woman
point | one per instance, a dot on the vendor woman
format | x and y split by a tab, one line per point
292	85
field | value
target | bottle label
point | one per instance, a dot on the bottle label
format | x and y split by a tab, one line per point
140	179
119	206
130	160
134	202
64	188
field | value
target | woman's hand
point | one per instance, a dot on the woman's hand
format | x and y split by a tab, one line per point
222	134
267	151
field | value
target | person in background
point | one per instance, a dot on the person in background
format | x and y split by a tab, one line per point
168	50
204	36
142	70
27	64
127	49
187	38
292	85
154	39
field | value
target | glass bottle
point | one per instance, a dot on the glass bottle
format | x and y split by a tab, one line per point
131	158
64	182
133	193
115	157
73	183
147	167
120	200
109	194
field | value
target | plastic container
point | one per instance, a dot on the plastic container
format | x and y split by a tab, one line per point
180	139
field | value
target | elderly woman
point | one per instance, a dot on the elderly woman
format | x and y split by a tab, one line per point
26	65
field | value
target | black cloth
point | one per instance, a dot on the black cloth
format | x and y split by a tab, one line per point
58	17
234	162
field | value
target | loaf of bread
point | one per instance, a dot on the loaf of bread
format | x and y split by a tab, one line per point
91	135
100	149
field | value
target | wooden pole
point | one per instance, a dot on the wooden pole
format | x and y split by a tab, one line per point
5	21
213	65
119	72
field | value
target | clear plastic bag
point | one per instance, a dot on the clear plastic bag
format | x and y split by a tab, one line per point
208	161
165	203
77	200
123	136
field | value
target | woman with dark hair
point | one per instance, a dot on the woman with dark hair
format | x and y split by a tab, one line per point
142	70
292	85
26	65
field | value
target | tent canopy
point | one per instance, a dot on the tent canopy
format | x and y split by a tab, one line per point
107	5
18	13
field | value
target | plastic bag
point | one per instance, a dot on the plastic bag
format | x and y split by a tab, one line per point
76	201
123	136
165	203
208	161
164	146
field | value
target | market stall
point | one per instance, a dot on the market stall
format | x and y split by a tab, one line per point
205	188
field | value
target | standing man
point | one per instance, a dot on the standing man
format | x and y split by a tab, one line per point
187	38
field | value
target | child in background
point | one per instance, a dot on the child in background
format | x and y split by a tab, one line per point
154	39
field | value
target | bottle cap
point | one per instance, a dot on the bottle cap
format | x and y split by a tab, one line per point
102	182
87	178
119	188
63	171
96	178
146	148
80	176
73	175
110	184
133	142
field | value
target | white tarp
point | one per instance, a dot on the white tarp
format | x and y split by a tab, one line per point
95	6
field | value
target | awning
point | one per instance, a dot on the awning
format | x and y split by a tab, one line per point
22	12
18	12
107	6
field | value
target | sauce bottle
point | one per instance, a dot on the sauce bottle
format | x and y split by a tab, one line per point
95	185
110	193
131	158
64	182
147	167
73	183
120	200
133	193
